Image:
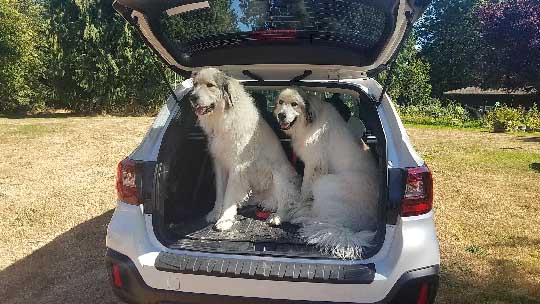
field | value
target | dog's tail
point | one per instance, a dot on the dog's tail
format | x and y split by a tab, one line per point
337	240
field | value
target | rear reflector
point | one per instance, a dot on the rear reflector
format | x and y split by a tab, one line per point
126	187
423	294
117	280
418	196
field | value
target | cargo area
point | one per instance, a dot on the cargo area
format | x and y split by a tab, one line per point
185	183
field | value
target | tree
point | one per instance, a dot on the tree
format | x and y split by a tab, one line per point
410	82
97	63
20	52
450	41
512	31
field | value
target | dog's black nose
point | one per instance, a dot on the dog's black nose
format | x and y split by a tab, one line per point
281	116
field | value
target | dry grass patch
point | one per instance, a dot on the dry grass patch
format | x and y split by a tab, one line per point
487	211
57	192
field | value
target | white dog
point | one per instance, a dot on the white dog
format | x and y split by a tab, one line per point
248	157
340	175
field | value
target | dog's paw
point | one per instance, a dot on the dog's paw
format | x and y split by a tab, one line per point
276	219
212	216
224	224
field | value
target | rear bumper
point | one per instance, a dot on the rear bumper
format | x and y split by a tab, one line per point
409	255
133	289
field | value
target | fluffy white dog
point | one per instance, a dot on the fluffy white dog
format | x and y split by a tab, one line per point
340	175
248	157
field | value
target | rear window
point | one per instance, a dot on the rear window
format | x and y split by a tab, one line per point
225	23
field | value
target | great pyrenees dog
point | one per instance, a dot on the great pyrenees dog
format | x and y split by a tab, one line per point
340	175
248	158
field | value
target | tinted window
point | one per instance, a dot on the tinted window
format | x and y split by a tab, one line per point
343	23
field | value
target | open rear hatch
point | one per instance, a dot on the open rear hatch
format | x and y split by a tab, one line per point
264	40
275	39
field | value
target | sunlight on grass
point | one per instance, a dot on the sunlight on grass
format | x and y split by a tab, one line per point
486	204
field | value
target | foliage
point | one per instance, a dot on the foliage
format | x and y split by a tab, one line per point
20	52
450	41
532	119
410	83
504	119
512	31
435	113
96	61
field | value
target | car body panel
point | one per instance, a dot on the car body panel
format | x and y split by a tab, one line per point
130	233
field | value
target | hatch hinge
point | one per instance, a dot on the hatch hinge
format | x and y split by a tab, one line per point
252	75
303	76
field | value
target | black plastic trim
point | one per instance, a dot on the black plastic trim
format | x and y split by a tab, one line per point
135	290
264	270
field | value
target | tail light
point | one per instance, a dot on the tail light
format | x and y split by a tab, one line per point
126	184
418	196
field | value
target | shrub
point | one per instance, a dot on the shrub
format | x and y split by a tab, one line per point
532	119
435	113
504	119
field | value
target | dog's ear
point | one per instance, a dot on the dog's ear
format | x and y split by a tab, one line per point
225	84
310	116
194	73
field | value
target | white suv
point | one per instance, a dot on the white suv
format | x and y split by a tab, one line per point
161	249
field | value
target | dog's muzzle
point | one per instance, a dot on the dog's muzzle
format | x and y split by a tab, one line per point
285	125
202	110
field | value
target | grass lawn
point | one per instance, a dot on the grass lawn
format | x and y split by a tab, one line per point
57	192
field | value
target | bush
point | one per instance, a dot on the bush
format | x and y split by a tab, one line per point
505	119
532	119
435	113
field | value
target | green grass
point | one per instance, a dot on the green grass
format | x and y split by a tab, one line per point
29	130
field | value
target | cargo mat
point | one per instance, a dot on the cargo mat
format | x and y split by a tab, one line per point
248	228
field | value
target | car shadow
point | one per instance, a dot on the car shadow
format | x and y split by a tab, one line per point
533	139
69	269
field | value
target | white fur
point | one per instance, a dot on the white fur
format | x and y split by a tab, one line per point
340	175
248	157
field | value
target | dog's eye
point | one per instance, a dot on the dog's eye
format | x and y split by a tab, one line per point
294	104
210	85
280	102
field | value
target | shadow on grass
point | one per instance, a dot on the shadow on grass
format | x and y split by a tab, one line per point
45	115
69	269
505	283
533	139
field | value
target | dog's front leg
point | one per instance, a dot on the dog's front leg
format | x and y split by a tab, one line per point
221	181
307	183
236	192
312	172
